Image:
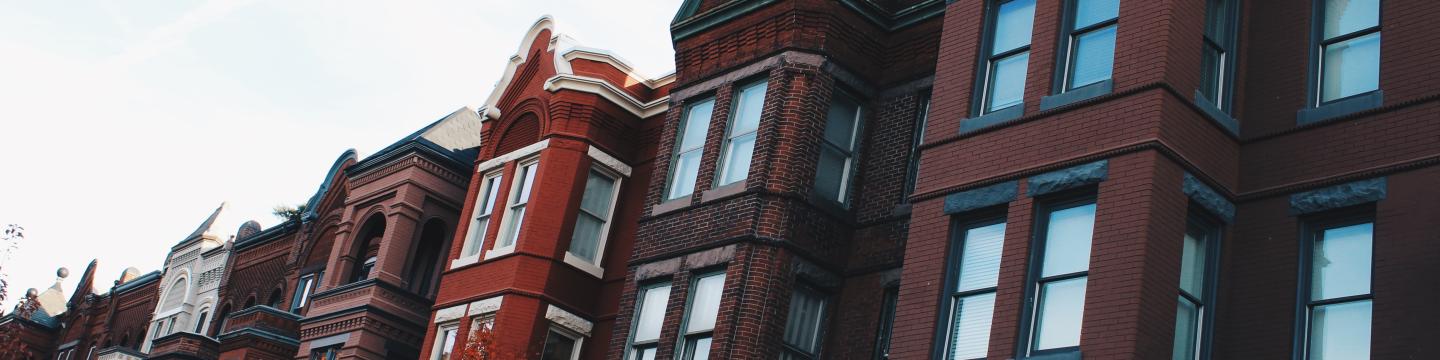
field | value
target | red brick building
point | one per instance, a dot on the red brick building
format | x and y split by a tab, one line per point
568	148
89	324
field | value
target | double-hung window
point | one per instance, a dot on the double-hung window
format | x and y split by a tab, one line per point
445	342
199	322
887	322
303	288
804	325
701	311
739	147
975	270
912	170
593	221
1007	56
1349	53
515	208
561	345
649	318
689	146
1217	62
837	148
1060	268
1199	259
1088	51
1335	290
484	208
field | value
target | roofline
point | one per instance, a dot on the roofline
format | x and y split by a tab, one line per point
152	276
265	236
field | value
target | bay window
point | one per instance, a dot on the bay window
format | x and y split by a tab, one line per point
515	208
445	342
739	147
484	208
1199	259
561	345
805	324
698	327
593	221
1336	266
1059	271
838	148
975	271
1349	52
1088	51
689	146
1007	56
1217	60
649	318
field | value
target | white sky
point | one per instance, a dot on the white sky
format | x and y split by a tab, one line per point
124	123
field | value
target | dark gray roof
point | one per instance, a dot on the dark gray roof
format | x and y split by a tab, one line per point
455	138
137	282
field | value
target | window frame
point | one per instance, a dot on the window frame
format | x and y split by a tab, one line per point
1228	48
685	335
440	335
960	225
200	320
677	151
1317	52
884	336
304	290
1215	229
787	351
1068	38
986	63
609	220
1034	281
912	168
631	347
1313	229
852	155
576	339
508	218
723	161
490	186
331	352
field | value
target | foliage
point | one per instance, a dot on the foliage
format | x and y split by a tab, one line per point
11	345
484	344
288	213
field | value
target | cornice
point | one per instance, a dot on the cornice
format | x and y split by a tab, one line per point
605	89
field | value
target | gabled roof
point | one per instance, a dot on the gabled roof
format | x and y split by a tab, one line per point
136	283
205	226
455	137
312	206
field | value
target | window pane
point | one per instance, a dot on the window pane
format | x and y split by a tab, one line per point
1187	326
1341	263
980	257
1062	308
1192	262
558	347
1007	81
599	190
528	179
1013	24
514	231
447	347
1351	67
970	331
477	232
840	122
697	119
1094	57
687	168
1346	16
1090	12
705	303
697	348
586	239
492	188
645	354
830	172
1340	331
1067	240
1211	68
748	105
651	313
737	159
1216	16
802	329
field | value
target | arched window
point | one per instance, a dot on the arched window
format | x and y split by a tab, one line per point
367	248
425	262
276	296
200	321
249	302
175	296
224	317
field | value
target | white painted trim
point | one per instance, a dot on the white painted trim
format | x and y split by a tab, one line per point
486	306
475	236
586	266
608	91
498	252
568	320
449	314
609	161
499	161
490	111
440	338
607	57
464	261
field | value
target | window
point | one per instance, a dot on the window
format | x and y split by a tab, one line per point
975	270
649	318
365	269
325	353
445	342
1058	274
1089	48
689	146
1337	261
560	345
171	329
699	323
912	172
519	197
200	322
887	322
484	207
837	148
804	324
1349	53
1007	55
1217	62
740	137
1199	258
304	287
593	221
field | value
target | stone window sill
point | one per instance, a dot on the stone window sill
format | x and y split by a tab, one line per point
1077	95
1216	114
723	191
994	118
671	205
1342	107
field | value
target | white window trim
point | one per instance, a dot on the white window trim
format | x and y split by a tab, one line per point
618	171
508	217
475	237
579	339
525	152
440	338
